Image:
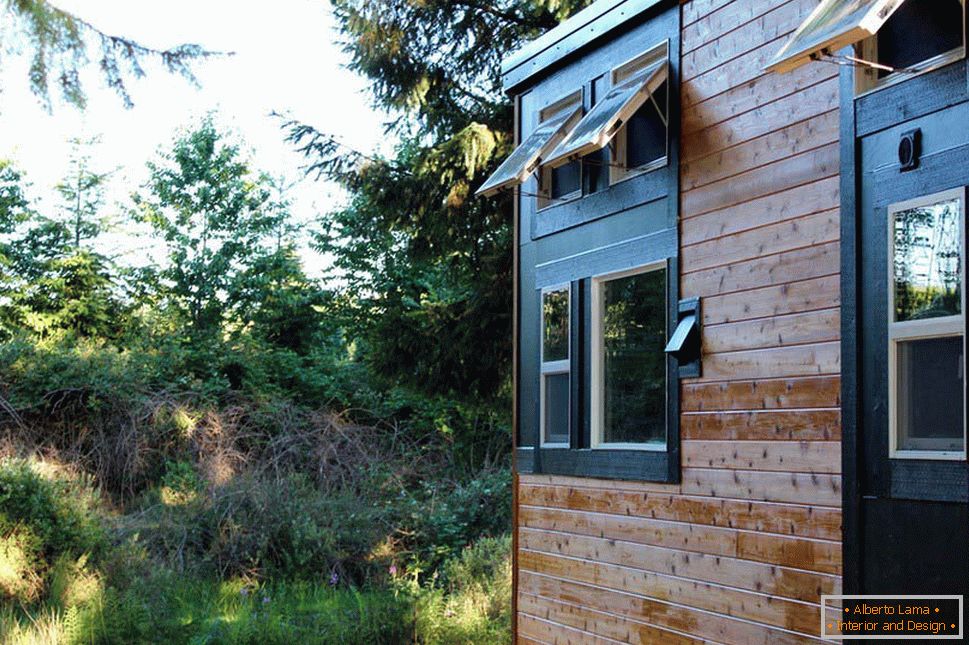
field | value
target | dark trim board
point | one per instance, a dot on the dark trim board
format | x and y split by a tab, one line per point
619	197
595	21
850	341
872	483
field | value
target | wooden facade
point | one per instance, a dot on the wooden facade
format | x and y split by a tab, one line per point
773	216
739	552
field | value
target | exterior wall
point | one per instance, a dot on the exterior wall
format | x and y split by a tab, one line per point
740	551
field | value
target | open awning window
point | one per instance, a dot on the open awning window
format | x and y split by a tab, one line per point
834	24
527	156
600	125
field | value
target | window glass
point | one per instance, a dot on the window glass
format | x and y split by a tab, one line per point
646	132
926	260
834	24
632	330
556	408
566	180
526	156
931	391
920	30
555	325
597	128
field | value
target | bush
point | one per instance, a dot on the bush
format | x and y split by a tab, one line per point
284	530
43	519
446	519
474	606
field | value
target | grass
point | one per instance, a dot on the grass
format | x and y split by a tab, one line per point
72	571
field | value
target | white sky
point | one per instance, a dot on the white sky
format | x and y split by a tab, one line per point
287	59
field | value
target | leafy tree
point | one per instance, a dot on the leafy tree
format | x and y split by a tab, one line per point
427	267
213	214
60	44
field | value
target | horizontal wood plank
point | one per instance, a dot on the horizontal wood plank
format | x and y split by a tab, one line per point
597	622
791	266
765	517
549	632
711	134
732	572
763	425
641	530
724	46
804	488
788	173
779	300
777	456
775	146
714	627
770	610
773	394
813	555
812	230
800	360
778	331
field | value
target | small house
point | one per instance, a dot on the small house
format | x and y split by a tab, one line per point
740	315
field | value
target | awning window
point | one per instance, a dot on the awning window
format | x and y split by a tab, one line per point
834	24
526	157
600	125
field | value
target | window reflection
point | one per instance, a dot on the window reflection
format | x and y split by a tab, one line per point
633	334
927	262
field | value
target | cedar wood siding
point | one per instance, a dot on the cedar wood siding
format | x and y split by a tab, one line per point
740	551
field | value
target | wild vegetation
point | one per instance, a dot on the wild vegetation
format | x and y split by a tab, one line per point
208	445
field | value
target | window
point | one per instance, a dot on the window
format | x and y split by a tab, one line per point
628	360
556	355
920	35
894	38
926	328
525	158
642	142
634	85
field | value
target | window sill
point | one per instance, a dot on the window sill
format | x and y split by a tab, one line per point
660	466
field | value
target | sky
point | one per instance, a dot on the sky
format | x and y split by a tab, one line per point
287	59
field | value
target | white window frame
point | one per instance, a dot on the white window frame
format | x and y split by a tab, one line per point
866	78
909	330
554	368
597	371
544	198
618	172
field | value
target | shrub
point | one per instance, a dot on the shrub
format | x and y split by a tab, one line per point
446	519
286	529
475	605
46	517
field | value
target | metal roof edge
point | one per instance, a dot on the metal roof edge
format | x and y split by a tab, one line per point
596	20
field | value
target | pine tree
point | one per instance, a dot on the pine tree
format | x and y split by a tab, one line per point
428	268
59	44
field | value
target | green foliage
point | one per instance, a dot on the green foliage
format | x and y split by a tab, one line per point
421	258
55	510
474	604
59	44
445	520
47	522
206	205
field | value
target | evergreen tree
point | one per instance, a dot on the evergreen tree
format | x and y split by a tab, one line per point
427	267
59	44
82	194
